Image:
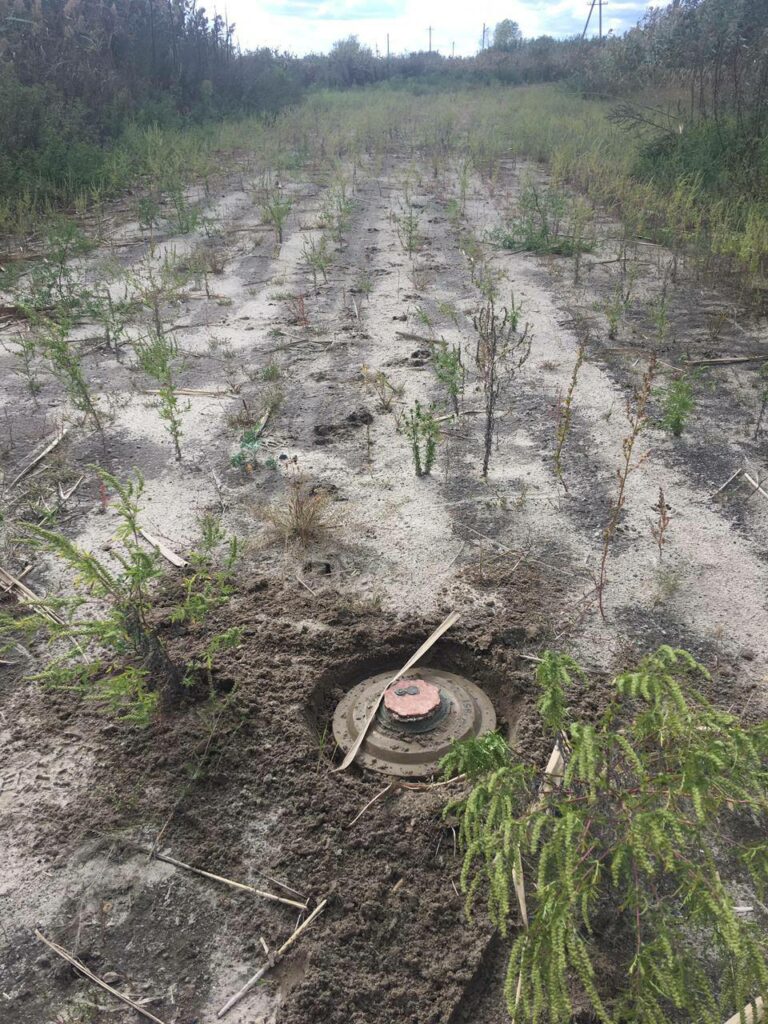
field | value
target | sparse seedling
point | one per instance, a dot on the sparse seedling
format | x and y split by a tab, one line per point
318	257
678	403
422	429
67	367
304	517
275	211
450	372
116	655
501	351
157	355
245	457
565	417
382	387
660	526
637	415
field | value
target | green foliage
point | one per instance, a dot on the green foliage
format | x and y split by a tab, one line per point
156	355
547	223
64	358
105	641
275	211
408	230
113	654
678	402
421	428
628	854
450	372
317	255
209	579
245	457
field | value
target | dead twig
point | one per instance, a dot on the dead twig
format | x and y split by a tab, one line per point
381	793
725	361
217	878
60	435
27	596
60	951
252	982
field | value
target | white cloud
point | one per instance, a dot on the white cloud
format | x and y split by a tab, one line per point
304	26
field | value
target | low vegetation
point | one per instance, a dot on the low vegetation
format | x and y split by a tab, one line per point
627	911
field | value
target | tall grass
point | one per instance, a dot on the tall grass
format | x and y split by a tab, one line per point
672	196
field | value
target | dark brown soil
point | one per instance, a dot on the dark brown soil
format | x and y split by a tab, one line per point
393	945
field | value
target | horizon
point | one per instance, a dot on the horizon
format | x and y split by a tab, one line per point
301	27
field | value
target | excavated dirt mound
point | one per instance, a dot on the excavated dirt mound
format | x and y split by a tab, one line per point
247	792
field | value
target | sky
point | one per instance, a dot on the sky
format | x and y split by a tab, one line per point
305	26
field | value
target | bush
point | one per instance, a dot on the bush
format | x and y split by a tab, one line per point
627	853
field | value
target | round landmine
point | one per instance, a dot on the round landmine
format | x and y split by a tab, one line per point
418	719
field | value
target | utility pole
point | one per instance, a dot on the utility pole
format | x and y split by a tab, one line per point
453	49
430	39
482	45
387	47
599	4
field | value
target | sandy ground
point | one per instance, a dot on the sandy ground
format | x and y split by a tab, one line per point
400	552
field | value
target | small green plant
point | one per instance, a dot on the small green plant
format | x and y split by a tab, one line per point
763	389
275	211
25	350
408	230
186	217
629	913
382	387
245	457
317	255
637	419
270	373
422	429
616	308
450	372
546	223
209	578
502	350
157	355
565	418
116	655
678	402
64	357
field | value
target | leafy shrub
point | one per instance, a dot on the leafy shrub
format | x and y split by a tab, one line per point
626	852
423	431
678	403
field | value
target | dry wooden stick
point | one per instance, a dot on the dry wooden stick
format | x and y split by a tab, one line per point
219	878
381	793
61	434
750	1016
725	361
60	951
27	596
166	552
730	480
442	628
278	956
755	484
